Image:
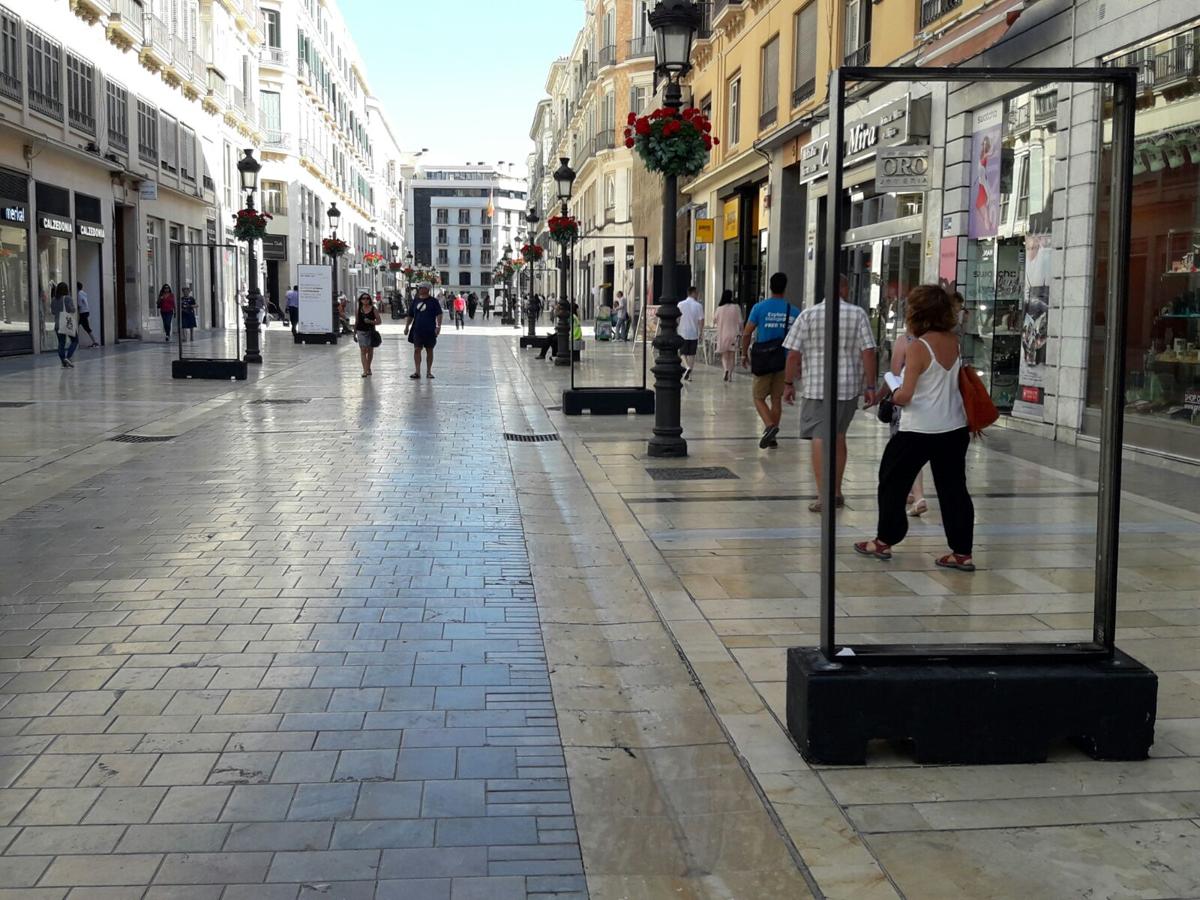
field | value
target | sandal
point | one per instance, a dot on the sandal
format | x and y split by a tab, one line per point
839	503
416	376
956	561
918	509
876	549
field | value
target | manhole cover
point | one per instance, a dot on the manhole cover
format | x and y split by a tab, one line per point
703	473
530	438
15	404
141	439
279	401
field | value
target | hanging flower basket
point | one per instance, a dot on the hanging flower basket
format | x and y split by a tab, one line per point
532	252
563	229
250	224
334	247
408	272
372	259
672	142
396	267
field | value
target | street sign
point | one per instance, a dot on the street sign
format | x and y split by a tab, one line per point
275	246
316	299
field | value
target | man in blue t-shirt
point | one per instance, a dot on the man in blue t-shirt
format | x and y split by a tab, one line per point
424	326
767	325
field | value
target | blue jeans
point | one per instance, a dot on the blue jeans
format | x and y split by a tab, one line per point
167	317
65	350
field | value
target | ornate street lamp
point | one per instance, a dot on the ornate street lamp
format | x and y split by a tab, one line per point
675	23
334	215
532	218
373	245
248	168
564	180
408	262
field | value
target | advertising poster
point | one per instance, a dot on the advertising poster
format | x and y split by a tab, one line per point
948	263
984	214
316	299
1035	326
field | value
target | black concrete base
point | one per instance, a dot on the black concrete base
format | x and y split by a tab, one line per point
601	401
960	711
211	369
527	341
315	337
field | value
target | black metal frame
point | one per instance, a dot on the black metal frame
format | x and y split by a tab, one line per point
645	284
236	267
1123	82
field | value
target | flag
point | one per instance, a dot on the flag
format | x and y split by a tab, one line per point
491	207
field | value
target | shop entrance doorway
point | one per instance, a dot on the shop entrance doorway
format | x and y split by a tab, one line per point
90	264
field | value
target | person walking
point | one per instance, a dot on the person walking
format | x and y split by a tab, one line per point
767	326
66	327
423	327
366	324
187	315
292	299
166	308
856	373
487	306
933	429
472	305
916	505
729	329
85	313
460	309
691	327
621	311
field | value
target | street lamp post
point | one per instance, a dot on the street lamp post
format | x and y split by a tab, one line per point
532	218
394	259
408	262
674	23
248	168
564	179
335	216
373	243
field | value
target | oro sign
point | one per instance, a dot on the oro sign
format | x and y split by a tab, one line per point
902	169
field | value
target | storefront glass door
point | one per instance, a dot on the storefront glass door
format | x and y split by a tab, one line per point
54	267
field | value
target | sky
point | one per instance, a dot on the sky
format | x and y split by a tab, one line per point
462	77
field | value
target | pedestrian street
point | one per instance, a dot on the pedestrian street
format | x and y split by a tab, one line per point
316	635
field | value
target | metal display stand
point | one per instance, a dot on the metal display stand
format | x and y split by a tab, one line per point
612	401
981	703
215	369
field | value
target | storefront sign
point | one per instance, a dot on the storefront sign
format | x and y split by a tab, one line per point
316	299
630	257
1191	400
89	231
888	126
275	246
148	190
902	169
705	231
54	223
984	216
13	214
732	218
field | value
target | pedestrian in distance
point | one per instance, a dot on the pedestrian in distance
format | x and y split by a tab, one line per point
764	355
423	327
933	429
691	327
621	311
292	299
85	313
472	305
487	306
66	326
187	315
460	310
856	373
366	331
343	307
166	308
729	330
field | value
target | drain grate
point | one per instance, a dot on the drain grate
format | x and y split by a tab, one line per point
530	438
15	404
280	401
141	439
700	473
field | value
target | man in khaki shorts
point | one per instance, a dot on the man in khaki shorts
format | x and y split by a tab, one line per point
856	367
768	322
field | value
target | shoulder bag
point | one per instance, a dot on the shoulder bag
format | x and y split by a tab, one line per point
769	357
977	402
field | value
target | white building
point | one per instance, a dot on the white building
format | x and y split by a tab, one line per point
120	126
462	218
326	140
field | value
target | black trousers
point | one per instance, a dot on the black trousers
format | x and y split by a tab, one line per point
903	458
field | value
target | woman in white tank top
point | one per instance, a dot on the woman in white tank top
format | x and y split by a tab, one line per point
933	429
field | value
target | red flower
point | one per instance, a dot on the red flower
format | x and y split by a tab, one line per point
707	127
643	127
629	142
632	118
716	142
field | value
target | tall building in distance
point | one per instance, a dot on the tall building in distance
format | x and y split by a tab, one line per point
461	219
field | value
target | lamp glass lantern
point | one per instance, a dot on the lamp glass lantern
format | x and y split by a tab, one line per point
248	168
675	23
395	248
334	215
564	179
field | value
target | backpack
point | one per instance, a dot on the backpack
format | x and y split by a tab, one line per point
977	402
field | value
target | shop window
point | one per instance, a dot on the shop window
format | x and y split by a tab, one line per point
43	57
15	320
81	98
804	43
10	55
147	133
733	126
768	103
116	114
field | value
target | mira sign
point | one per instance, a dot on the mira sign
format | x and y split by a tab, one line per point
890	125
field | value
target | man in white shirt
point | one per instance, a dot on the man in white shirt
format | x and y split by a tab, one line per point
691	326
293	306
85	313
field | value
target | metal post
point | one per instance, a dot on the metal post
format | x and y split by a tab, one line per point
531	325
833	301
565	351
337	327
668	438
1112	422
253	295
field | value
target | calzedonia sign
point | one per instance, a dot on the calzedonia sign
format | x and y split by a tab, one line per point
89	230
888	126
54	223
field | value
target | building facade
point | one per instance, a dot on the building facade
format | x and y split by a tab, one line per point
462	219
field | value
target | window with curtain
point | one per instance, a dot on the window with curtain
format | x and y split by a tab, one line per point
270	111
733	125
804	67
768	102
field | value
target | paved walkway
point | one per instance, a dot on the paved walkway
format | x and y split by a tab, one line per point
351	642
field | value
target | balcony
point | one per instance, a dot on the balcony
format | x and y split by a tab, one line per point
237	99
722	6
275	57
117	140
1175	64
276	140
125	24
10	82
932	10
641	46
768	118
1019	118
48	104
181	57
156	43
1045	107
607	56
803	92
605	140
860	56
707	14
